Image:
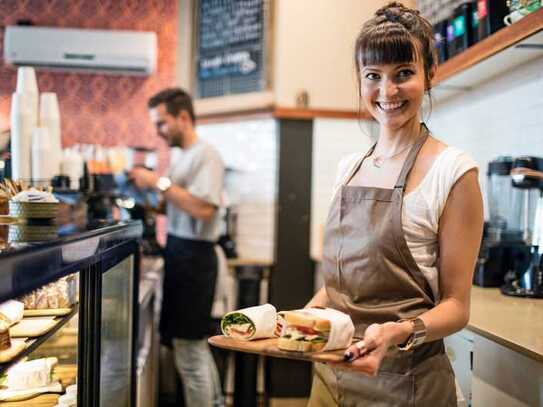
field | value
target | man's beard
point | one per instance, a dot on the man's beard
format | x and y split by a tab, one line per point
176	140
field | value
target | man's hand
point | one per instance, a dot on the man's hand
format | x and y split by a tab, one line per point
143	178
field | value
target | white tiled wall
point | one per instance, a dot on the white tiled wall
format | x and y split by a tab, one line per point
250	149
503	116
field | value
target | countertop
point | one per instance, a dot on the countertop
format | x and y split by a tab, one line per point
516	323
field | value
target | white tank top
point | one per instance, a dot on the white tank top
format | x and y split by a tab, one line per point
423	206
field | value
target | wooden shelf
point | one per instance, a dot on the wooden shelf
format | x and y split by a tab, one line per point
507	48
279	112
65	374
309	114
34	343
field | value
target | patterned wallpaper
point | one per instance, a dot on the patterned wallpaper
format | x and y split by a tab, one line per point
101	109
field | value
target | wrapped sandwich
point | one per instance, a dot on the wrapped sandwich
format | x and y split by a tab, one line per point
5	339
29	379
250	323
28	375
11	312
315	329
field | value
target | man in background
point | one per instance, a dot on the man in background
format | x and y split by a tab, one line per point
192	192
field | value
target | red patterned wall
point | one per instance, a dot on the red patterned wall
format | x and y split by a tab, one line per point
101	109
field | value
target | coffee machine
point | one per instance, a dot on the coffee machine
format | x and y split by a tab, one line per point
526	279
108	194
503	248
137	204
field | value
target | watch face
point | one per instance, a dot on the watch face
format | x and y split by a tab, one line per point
164	183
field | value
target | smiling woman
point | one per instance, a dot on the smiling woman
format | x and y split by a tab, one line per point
395	61
393	258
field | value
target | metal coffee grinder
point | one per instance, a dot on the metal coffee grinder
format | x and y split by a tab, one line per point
526	278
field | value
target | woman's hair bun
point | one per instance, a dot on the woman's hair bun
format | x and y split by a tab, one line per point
394	11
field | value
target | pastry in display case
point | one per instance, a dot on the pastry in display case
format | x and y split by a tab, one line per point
46	317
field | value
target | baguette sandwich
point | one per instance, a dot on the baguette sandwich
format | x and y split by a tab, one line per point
315	329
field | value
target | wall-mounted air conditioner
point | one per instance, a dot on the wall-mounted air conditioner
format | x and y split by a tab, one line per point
83	50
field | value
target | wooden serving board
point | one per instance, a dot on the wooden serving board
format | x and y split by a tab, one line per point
32	327
57	312
65	374
268	347
17	346
43	400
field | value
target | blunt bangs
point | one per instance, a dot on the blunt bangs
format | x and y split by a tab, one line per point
386	46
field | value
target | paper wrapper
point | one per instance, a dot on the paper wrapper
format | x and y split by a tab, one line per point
341	327
264	318
12	311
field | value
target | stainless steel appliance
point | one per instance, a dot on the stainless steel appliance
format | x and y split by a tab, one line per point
526	280
502	248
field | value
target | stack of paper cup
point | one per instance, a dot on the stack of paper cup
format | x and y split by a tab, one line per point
50	119
21	136
43	167
24	117
27	83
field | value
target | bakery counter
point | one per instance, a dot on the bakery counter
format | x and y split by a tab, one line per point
516	323
68	309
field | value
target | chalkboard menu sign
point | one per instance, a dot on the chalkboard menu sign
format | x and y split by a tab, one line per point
230	47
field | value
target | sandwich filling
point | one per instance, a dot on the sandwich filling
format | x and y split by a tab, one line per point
303	333
237	325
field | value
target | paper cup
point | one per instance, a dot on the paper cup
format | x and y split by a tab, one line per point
26	80
21	134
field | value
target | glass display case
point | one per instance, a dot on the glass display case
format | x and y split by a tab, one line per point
69	316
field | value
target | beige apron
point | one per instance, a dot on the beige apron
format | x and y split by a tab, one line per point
370	274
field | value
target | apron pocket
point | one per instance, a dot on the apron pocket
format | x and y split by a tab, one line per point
383	390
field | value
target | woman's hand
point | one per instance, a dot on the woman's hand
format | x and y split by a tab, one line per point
366	356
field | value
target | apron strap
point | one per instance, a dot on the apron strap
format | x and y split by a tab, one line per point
354	169
412	156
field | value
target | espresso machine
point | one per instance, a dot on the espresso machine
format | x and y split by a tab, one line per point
108	194
526	279
136	204
503	248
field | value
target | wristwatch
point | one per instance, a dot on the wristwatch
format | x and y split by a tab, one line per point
163	184
417	337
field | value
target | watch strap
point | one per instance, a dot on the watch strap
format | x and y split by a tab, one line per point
417	337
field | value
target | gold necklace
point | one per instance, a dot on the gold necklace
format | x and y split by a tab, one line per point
379	160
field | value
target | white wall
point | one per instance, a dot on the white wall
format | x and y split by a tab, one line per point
250	147
313	50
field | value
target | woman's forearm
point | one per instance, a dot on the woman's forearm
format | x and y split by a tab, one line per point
320	299
448	317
